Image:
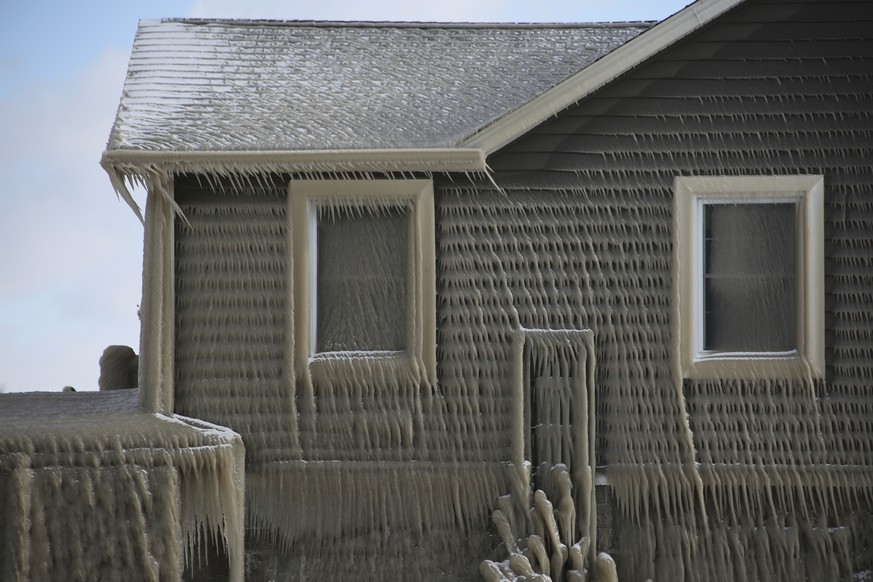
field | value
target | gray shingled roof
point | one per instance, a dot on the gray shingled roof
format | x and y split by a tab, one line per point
219	85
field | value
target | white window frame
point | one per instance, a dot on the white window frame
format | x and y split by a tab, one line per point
304	197
690	196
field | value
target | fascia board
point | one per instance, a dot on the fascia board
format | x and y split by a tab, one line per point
126	167
375	160
598	74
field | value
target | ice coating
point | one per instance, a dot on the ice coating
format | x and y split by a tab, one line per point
554	289
369	430
555	551
119	367
189	80
95	487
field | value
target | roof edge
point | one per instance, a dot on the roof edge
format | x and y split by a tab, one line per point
649	43
389	160
154	168
255	22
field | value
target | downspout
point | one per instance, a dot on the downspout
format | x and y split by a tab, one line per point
156	368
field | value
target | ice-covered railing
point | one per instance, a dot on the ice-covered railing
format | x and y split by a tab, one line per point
543	540
93	487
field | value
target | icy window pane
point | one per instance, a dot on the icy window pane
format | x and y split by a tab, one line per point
750	277
361	279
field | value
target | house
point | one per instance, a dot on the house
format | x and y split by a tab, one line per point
416	266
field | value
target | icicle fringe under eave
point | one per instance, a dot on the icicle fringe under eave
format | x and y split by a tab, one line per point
128	169
123	180
329	500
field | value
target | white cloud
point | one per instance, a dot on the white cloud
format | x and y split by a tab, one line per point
70	258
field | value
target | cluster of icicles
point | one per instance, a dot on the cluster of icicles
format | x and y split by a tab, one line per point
741	480
97	488
549	553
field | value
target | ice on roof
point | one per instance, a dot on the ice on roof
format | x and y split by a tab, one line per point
196	85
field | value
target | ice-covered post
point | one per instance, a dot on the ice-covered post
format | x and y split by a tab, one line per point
156	333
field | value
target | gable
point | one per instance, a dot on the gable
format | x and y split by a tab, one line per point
618	62
772	89
769	87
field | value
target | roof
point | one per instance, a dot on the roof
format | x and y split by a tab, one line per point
230	85
240	98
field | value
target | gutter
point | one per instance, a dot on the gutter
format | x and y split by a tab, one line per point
155	168
390	160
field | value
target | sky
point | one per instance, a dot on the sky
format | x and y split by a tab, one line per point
70	251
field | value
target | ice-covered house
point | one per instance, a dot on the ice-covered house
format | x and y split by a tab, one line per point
415	266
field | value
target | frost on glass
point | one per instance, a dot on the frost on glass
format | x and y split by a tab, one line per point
750	277
361	278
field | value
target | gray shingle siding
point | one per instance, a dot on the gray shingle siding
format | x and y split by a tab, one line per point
581	236
581	190
231	292
750	94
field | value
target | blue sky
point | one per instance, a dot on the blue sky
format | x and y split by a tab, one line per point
70	252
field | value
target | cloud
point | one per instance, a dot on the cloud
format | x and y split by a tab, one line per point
71	257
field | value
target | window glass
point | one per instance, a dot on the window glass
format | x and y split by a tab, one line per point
750	277
361	278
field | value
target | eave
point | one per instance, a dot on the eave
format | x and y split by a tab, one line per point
371	160
153	168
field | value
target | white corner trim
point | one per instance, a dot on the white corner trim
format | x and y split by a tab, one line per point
157	332
598	74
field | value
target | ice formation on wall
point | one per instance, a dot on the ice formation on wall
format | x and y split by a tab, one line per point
351	457
350	444
769	484
376	444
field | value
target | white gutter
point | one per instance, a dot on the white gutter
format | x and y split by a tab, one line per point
598	74
390	160
127	167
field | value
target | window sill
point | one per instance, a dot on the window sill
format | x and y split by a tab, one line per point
357	355
363	365
750	366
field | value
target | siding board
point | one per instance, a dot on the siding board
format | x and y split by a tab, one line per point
820	12
751	50
231	299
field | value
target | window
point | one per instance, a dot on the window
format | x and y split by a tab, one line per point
749	274
360	278
363	253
